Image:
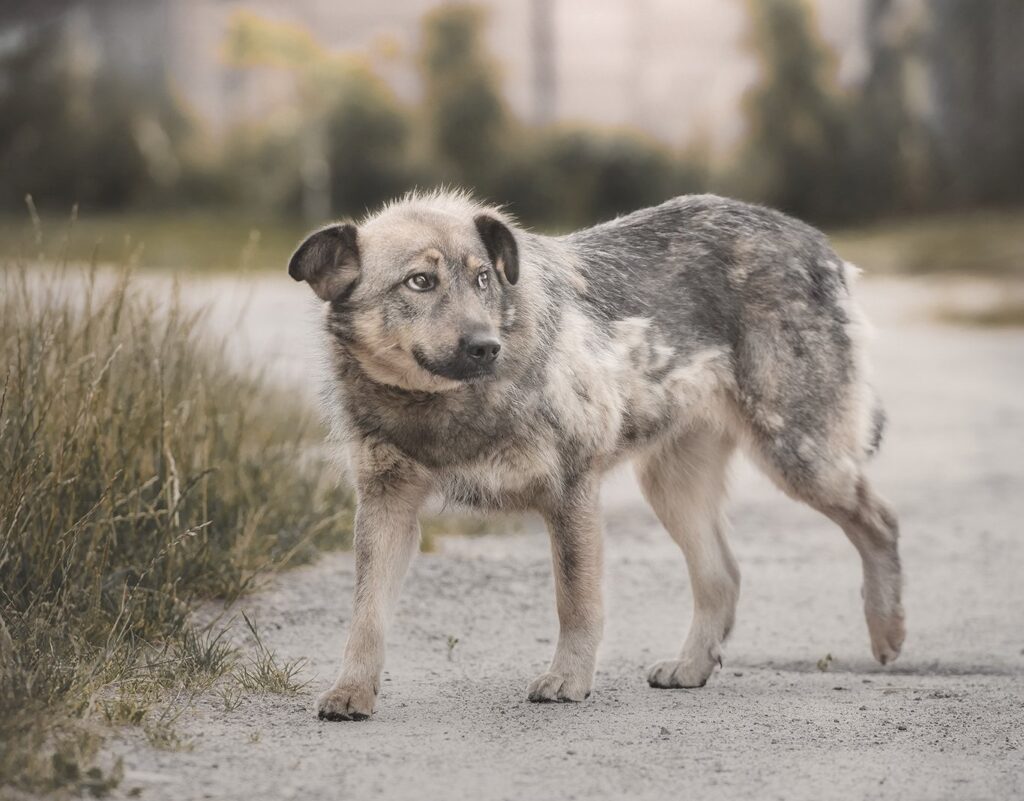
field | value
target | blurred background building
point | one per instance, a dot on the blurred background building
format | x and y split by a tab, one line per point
569	110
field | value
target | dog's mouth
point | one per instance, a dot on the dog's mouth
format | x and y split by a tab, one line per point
455	368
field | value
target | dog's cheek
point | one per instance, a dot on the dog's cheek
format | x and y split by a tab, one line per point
430	328
338	320
499	313
506	314
434	338
400	322
369	329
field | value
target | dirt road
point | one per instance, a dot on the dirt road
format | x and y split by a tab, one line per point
946	721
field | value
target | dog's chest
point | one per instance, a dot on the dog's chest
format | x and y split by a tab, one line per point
584	419
614	390
509	475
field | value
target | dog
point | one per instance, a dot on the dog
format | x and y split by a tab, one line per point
506	370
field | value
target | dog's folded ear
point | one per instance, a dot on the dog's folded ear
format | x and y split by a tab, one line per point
328	260
501	246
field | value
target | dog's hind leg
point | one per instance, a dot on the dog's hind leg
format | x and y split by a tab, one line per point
684	481
830	478
873	529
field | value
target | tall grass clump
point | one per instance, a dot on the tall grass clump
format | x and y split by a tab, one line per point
139	473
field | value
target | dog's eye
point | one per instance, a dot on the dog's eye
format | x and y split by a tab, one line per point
483	279
421	282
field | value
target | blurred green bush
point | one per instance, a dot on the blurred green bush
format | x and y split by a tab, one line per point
344	142
72	133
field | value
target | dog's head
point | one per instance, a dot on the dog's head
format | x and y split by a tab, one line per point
416	294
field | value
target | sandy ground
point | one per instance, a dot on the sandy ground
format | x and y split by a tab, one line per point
946	721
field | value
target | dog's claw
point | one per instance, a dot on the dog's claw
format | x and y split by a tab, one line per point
678	674
341	716
887	635
556	688
347	702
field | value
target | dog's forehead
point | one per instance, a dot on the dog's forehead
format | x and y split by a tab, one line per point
406	233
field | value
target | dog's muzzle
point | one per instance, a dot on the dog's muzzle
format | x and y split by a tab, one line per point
474	357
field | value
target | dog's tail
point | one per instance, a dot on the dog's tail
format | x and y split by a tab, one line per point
873	421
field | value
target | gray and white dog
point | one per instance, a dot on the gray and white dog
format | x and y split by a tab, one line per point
508	371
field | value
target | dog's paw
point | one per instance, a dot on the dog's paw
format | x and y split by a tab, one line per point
559	687
347	702
683	673
887	635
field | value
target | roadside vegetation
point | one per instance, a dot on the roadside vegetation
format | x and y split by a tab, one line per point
908	191
982	244
139	474
1006	312
983	249
186	242
340	139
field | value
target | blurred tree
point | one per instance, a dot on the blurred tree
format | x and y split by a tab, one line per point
467	122
543	61
553	177
977	80
795	156
368	136
261	168
351	133
297	148
75	130
884	137
566	178
886	167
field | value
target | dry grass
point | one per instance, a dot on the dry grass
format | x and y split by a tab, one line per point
264	673
987	247
207	241
981	244
138	474
1007	312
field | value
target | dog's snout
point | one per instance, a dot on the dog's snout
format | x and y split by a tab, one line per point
481	348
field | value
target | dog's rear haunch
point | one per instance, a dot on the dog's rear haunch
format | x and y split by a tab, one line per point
507	370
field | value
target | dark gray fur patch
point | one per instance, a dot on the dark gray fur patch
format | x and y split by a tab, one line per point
879	419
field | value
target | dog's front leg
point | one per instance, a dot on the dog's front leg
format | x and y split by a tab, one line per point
575	529
390	491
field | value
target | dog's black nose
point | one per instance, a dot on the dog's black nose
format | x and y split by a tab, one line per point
481	348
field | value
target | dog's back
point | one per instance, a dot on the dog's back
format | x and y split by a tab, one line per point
769	291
